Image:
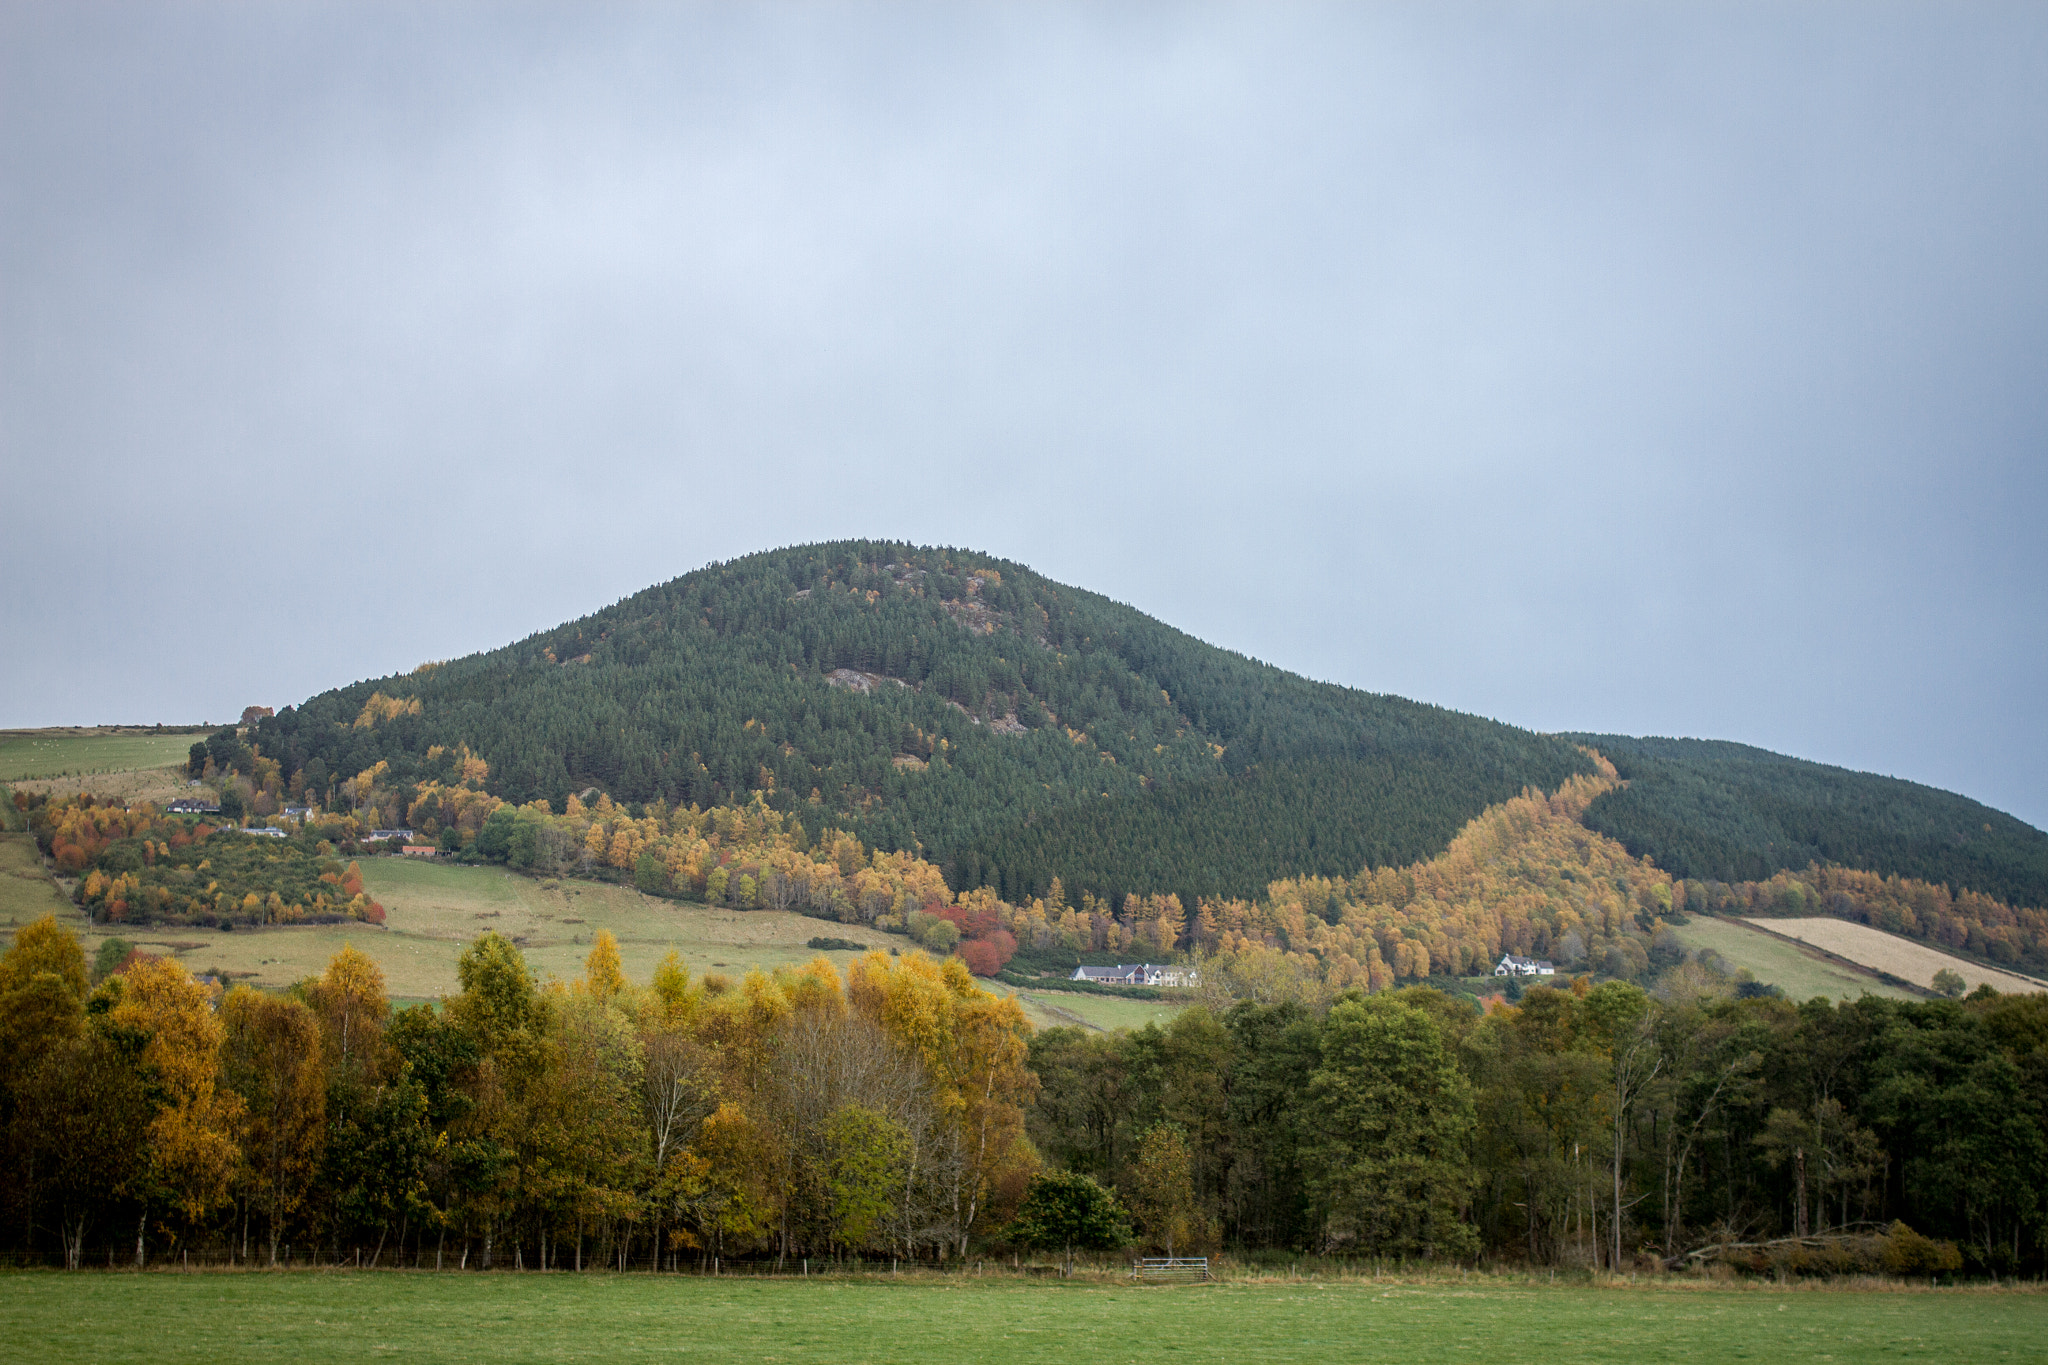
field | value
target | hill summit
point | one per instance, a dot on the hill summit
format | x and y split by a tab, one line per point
1010	728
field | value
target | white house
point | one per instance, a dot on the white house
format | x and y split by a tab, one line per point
1512	965
1143	974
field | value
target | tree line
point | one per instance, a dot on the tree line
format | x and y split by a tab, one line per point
898	1108
522	1123
1591	1125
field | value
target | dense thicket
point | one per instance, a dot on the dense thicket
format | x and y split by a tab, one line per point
1405	1124
1717	811
1011	728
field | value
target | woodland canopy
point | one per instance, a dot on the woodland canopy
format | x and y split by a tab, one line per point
899	1109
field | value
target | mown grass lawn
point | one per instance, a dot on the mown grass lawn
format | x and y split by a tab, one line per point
313	1316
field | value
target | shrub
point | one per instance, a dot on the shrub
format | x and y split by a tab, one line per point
1906	1252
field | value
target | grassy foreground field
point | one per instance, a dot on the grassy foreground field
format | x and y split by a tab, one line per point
160	1318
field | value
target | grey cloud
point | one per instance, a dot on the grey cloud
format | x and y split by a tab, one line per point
1664	369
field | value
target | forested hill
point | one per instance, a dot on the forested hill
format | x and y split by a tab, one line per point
1010	727
1716	811
1013	729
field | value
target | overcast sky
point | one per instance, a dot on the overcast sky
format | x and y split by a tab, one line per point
1654	369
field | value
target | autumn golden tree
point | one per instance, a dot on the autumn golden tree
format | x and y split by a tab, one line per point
273	1060
192	1154
1163	1198
348	997
42	996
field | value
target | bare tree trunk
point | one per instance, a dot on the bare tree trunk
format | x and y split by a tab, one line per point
1616	1262
1799	1198
1630	1077
141	1222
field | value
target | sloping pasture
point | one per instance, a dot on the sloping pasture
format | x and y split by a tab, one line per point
1903	958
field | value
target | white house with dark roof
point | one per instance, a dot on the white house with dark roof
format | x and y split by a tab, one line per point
1511	965
1142	974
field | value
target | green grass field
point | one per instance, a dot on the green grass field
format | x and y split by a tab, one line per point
307	1316
26	754
26	891
1098	1011
1801	974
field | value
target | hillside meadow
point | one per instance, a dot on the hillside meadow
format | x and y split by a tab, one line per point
108	761
339	1317
1903	958
1802	973
1093	1011
436	909
35	754
26	891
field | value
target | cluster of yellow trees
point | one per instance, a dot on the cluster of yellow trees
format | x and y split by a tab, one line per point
806	1112
1525	877
749	856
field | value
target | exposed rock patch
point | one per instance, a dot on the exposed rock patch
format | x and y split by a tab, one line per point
855	680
